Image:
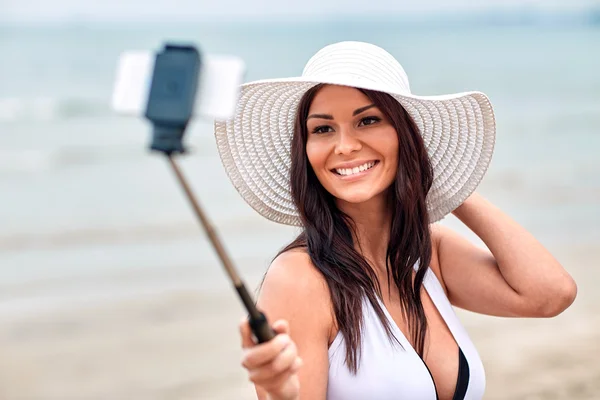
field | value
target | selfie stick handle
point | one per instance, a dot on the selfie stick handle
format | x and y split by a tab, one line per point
258	321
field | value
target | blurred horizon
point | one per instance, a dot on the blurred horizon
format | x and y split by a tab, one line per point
69	12
463	20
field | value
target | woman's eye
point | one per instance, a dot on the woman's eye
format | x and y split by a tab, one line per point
322	129
369	120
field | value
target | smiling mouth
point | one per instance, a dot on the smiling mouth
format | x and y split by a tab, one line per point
356	170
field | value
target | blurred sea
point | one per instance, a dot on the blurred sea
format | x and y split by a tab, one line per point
86	210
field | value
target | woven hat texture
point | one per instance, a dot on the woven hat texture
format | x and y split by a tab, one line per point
458	129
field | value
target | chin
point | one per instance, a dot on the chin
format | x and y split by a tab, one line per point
354	198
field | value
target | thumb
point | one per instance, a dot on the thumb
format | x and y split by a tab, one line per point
281	326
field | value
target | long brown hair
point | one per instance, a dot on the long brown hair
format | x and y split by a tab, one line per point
328	239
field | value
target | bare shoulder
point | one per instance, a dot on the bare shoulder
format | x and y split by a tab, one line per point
296	268
295	290
293	274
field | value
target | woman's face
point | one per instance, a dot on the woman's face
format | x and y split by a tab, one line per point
351	146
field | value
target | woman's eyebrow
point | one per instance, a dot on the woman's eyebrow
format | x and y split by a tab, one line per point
327	116
365	108
323	116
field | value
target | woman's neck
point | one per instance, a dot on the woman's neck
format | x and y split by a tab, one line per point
372	222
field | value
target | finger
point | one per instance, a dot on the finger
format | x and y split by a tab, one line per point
284	361
272	382
281	326
246	334
278	386
265	352
298	363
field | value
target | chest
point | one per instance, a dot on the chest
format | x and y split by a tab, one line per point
440	352
391	370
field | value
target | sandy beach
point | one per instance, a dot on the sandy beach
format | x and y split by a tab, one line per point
184	345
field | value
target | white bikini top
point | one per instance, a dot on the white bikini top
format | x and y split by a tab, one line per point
388	372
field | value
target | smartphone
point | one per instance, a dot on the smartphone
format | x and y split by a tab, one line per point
218	85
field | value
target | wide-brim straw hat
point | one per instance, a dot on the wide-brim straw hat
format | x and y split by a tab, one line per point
459	130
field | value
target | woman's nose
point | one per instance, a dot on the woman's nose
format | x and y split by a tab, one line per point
347	142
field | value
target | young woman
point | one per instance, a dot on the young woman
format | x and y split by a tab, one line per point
362	299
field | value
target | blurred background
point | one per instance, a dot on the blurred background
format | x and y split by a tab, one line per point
108	287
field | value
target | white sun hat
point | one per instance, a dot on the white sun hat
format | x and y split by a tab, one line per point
459	130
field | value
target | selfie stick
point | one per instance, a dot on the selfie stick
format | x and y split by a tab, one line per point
170	106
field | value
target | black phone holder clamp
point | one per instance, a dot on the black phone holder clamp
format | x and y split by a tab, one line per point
172	96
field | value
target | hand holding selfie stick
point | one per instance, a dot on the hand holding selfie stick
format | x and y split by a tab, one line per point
170	106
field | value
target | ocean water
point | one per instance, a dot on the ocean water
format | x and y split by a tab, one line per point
86	210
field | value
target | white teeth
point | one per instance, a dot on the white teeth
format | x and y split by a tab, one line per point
355	170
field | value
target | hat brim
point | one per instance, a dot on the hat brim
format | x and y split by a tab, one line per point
458	130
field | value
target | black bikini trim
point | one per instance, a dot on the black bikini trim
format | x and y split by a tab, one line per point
462	382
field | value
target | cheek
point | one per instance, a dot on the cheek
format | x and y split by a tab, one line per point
393	152
390	151
317	155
